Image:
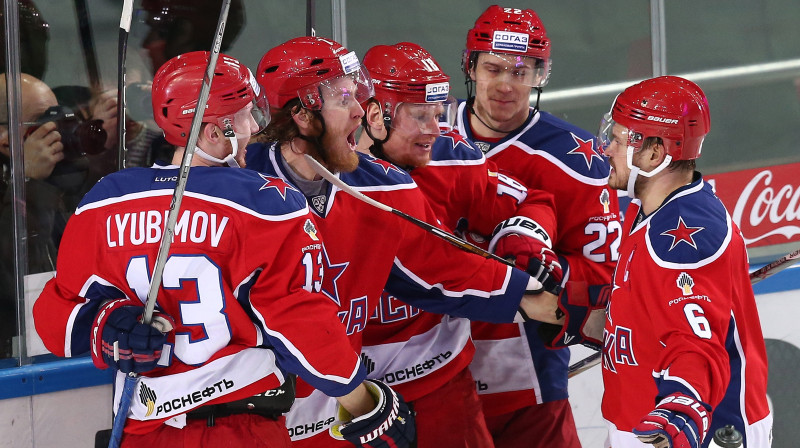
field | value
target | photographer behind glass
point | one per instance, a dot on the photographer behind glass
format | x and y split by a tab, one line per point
55	142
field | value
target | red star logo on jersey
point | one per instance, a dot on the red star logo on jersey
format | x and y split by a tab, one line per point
276	183
332	274
585	148
386	165
682	233
457	140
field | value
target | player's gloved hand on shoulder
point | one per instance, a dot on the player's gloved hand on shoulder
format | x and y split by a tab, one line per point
583	308
679	421
390	424
525	242
121	341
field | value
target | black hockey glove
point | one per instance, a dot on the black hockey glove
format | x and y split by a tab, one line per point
121	341
390	424
583	308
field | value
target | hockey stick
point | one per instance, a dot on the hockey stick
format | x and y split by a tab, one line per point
122	52
450	238
775	267
755	277
166	240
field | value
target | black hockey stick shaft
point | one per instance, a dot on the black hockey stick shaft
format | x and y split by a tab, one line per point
755	277
177	196
87	45
450	238
122	53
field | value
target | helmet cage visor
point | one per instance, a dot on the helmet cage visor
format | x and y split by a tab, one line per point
610	132
246	122
514	69
260	109
422	118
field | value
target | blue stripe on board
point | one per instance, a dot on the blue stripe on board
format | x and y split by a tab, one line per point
51	376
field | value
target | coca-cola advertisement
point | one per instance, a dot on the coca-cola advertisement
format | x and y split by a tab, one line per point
764	202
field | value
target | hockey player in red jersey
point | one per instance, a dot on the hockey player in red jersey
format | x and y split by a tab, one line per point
425	356
316	88
682	332
507	58
234	317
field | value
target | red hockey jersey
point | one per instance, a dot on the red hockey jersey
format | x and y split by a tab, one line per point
367	246
244	312
415	351
512	367
682	317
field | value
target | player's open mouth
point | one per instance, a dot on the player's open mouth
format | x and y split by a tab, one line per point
351	139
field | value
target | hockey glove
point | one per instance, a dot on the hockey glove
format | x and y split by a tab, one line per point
583	308
679	421
390	424
522	240
121	341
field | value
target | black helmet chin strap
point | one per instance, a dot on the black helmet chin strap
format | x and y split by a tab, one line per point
538	95
470	103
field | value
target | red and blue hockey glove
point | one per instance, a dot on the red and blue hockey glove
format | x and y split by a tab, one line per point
679	421
121	341
525	242
583	307
391	424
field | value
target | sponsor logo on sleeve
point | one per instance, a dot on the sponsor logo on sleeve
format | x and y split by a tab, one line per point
605	200
310	229
685	283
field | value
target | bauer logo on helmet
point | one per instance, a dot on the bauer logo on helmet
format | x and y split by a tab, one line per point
662	119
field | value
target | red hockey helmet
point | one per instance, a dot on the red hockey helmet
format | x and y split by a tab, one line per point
309	68
407	73
509	31
672	108
176	87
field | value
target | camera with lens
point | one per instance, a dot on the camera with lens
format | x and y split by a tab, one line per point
79	137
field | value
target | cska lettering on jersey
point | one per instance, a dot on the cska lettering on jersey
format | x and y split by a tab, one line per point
392	309
618	348
356	318
147	227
